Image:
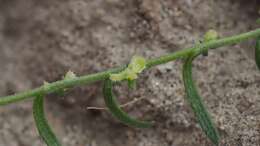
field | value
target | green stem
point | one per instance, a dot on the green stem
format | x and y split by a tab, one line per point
87	79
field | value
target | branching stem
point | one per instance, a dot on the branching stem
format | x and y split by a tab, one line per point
87	79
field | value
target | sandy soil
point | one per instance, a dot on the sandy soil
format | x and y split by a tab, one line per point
42	40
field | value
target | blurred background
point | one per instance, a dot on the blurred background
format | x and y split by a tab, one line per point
41	40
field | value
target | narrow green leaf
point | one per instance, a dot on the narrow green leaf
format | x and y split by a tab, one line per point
196	103
115	109
257	52
42	124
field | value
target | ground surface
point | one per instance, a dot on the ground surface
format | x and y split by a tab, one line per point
42	40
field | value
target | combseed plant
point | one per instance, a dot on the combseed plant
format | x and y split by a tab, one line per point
130	74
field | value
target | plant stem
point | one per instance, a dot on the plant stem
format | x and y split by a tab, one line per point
87	79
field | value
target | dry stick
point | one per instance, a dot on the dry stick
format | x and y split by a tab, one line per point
135	100
87	79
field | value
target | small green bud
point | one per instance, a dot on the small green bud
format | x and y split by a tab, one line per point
210	35
46	85
136	66
69	75
131	74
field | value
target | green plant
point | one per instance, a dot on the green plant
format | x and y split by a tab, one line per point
130	73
